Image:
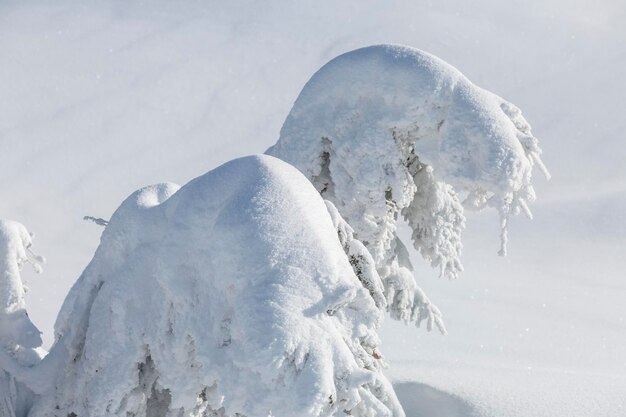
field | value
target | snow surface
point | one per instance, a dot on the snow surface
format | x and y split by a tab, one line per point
101	98
231	295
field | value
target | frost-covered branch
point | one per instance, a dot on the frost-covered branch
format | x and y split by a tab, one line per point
435	215
398	293
362	262
97	220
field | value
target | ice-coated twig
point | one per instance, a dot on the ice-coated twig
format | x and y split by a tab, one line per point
97	220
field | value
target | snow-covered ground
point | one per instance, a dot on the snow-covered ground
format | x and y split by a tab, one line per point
98	99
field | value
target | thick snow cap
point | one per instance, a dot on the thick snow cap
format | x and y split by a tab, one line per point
229	296
395	126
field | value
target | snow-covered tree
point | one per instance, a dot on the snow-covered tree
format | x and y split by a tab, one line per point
255	290
231	296
19	337
390	131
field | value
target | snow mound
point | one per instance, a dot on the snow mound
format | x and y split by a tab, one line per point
229	296
388	131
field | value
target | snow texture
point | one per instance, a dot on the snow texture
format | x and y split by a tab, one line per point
101	98
389	130
230	296
18	335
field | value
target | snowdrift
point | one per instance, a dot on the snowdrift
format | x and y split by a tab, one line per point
229	296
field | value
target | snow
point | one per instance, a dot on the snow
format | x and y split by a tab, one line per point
388	130
18	335
101	98
230	295
370	109
15	251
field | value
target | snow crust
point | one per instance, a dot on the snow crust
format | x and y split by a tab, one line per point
229	296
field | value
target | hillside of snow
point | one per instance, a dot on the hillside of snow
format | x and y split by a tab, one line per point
101	98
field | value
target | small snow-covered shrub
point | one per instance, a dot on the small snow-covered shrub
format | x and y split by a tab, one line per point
231	296
390	131
18	335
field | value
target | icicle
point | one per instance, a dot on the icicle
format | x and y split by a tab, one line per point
524	206
35	260
537	159
503	232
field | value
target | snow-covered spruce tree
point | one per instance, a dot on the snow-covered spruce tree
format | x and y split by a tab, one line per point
231	296
18	335
389	131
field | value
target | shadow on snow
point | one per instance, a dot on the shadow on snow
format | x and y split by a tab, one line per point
421	400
